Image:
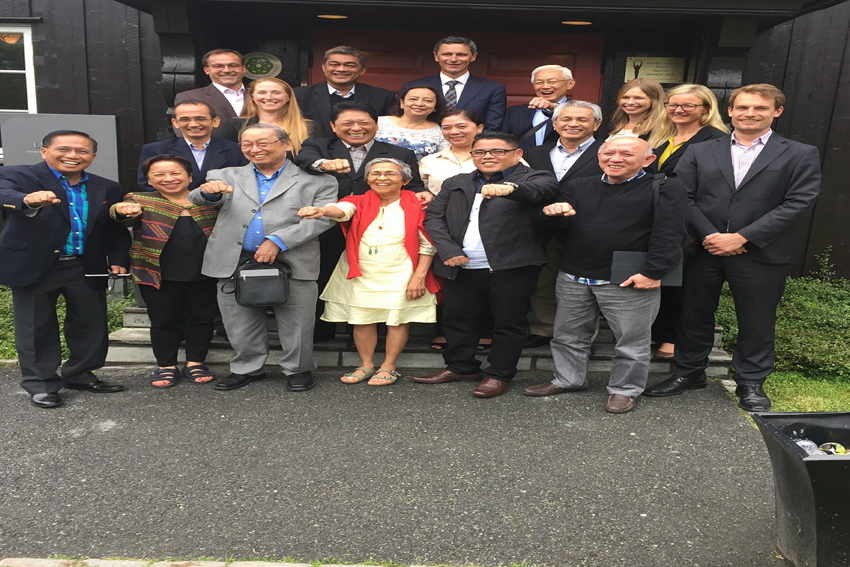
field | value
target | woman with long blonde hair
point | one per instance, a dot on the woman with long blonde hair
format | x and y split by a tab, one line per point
271	101
640	108
691	116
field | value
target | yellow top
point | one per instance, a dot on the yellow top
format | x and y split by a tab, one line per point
668	152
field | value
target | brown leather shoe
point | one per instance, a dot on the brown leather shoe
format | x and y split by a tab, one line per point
550	389
490	388
444	376
618	403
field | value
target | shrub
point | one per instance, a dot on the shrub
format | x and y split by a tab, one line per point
812	325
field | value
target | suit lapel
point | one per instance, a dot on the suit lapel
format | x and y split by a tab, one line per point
723	156
248	184
587	155
322	100
180	147
544	150
220	103
470	90
214	159
773	149
95	192
285	180
50	183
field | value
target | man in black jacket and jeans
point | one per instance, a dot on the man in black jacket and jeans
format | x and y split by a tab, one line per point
618	211
481	224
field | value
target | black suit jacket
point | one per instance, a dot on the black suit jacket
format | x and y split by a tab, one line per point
212	96
33	238
779	188
587	164
703	135
220	153
482	96
354	183
315	102
518	121
506	223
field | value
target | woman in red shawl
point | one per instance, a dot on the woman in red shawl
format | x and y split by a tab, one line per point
384	275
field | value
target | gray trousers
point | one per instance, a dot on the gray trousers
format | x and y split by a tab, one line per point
628	311
247	330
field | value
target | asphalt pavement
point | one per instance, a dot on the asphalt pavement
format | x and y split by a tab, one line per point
410	473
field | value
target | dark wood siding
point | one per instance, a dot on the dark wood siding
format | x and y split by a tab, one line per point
809	59
98	57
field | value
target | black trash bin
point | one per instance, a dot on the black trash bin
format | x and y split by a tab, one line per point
812	491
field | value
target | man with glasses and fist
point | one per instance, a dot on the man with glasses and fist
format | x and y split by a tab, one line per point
481	224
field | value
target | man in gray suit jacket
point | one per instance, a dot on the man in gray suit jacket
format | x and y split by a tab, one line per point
257	218
745	191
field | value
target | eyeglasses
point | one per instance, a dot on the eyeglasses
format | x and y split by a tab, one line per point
220	66
187	119
387	174
685	107
261	144
347	64
497	152
63	150
549	82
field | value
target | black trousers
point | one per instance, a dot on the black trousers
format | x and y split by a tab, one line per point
181	310
668	322
37	329
508	295
331	247
756	289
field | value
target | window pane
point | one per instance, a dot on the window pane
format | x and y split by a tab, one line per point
12	54
13	91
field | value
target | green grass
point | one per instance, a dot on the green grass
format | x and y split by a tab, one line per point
792	391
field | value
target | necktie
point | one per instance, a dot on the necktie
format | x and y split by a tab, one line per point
451	95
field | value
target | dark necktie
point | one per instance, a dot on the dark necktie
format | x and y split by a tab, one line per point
451	95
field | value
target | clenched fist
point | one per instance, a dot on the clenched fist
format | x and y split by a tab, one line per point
41	198
216	186
336	165
128	209
559	210
311	212
496	190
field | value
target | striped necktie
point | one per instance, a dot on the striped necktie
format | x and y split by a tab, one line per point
451	95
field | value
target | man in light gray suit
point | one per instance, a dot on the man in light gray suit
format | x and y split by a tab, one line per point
257	217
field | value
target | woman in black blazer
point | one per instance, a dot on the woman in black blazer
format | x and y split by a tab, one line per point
691	117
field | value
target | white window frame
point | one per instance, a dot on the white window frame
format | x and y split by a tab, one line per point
29	66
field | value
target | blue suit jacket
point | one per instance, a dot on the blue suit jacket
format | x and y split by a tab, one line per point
220	154
486	98
518	121
33	238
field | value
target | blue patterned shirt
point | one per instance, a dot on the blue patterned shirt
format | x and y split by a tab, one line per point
78	212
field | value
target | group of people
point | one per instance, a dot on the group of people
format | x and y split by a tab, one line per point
524	223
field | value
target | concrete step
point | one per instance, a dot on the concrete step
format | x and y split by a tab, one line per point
132	346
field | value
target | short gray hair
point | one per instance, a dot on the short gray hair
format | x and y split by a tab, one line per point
648	152
568	75
406	172
597	110
280	132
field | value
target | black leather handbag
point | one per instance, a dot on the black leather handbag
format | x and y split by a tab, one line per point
260	285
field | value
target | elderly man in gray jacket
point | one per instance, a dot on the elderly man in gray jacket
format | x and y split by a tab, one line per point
257	217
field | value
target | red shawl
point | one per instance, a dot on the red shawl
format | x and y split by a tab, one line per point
368	207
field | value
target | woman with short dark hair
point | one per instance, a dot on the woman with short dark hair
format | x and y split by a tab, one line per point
413	123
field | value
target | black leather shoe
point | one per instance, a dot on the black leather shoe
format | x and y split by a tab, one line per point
300	382
751	397
97	387
675	385
46	400
536	341
234	381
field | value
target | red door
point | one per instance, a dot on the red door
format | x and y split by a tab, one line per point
394	57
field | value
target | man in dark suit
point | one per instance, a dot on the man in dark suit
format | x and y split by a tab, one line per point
572	156
460	89
343	66
746	191
195	120
356	124
225	94
59	239
531	122
481	224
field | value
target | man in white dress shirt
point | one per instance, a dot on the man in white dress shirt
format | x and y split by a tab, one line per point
226	93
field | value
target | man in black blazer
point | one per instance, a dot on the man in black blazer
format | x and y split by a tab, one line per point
482	226
225	94
342	67
195	120
460	89
572	156
746	191
59	239
345	158
531	122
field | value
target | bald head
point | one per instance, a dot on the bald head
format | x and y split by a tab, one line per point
621	158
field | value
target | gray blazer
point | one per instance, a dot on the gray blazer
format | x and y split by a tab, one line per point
294	189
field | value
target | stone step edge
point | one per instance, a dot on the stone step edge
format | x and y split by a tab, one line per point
35	562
